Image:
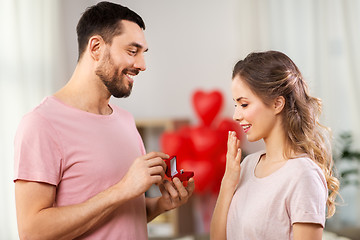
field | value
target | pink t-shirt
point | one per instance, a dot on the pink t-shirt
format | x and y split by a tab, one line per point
266	208
82	154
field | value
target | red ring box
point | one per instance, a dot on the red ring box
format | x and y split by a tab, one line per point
172	171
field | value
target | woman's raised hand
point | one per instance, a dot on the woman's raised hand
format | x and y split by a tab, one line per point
233	159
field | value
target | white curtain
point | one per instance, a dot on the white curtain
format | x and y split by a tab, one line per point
31	64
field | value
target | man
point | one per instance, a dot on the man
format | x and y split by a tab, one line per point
80	166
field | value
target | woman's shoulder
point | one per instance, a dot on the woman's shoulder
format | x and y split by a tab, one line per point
304	167
303	163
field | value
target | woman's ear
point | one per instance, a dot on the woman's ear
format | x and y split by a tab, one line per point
95	46
279	104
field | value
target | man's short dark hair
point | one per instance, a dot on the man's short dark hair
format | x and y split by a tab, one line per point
103	19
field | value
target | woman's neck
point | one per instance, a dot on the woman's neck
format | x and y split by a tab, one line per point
276	144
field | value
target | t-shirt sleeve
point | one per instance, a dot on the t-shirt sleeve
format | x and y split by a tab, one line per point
308	200
141	143
37	154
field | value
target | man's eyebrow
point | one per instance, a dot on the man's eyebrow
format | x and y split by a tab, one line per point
137	45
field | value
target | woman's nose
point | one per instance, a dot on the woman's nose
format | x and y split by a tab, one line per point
237	115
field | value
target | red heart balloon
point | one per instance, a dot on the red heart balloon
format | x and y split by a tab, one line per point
225	126
171	143
177	143
207	105
220	165
228	124
204	172
204	140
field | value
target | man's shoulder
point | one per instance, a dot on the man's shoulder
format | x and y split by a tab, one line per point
46	106
39	117
36	115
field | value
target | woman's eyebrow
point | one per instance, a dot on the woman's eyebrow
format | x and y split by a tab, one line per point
239	99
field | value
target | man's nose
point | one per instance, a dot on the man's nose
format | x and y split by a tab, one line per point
140	63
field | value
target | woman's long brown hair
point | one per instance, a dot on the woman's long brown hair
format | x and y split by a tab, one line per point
271	74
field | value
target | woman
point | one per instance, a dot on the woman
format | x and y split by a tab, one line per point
281	192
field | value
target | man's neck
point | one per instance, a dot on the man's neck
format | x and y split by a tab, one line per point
85	92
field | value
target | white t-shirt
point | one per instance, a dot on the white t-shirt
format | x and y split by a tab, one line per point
266	208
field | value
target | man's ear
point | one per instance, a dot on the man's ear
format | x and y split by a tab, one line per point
279	104
95	45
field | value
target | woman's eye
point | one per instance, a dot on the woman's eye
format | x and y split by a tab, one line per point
244	105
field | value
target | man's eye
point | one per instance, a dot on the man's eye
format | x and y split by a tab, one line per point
132	52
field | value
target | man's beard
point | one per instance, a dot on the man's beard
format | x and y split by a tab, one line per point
114	84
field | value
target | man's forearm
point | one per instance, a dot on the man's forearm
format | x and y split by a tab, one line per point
38	219
65	222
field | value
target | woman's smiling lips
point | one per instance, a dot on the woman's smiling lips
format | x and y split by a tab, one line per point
246	127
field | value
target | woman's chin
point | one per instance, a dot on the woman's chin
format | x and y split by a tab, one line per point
252	139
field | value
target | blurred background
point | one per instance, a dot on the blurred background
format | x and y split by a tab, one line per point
193	46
